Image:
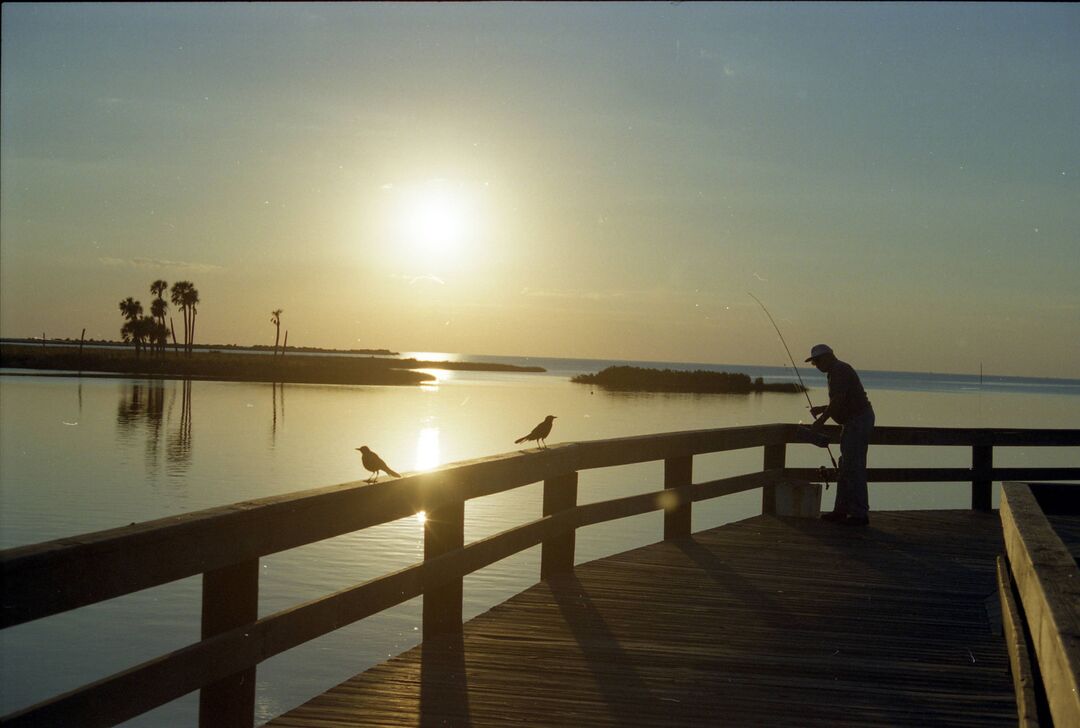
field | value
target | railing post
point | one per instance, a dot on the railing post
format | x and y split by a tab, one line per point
677	472
444	531
230	598
557	552
775	458
982	463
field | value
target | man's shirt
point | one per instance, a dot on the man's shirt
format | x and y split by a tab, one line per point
847	398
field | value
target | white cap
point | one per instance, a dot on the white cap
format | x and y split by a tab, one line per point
819	350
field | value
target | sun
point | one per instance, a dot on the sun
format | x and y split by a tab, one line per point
436	218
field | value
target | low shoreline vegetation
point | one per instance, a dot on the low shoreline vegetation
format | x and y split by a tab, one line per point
640	379
235	365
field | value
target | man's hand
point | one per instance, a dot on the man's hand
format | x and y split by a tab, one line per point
817	410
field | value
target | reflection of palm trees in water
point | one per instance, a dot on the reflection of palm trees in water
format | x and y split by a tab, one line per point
141	402
129	408
144	403
178	452
155	415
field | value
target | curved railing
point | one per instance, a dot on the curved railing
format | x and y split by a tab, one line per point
1039	586
224	545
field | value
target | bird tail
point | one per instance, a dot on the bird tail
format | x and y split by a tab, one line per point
521	439
394	473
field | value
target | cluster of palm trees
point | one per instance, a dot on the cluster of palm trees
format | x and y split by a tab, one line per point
150	331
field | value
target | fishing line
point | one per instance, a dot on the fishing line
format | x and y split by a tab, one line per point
796	368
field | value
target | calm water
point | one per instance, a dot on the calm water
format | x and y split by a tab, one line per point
79	455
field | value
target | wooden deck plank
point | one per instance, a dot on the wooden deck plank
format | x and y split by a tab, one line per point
768	621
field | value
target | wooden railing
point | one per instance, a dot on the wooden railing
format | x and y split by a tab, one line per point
1039	583
224	545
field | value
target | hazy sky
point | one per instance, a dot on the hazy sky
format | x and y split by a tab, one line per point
590	180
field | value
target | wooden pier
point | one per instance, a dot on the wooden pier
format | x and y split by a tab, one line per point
772	620
768	621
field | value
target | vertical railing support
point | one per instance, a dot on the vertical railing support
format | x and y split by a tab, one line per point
775	458
677	472
982	463
230	598
444	531
557	552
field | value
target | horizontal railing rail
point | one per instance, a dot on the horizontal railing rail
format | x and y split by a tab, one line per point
224	544
941	475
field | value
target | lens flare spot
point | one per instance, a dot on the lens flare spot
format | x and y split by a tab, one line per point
667	501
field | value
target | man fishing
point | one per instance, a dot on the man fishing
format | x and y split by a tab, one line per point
849	407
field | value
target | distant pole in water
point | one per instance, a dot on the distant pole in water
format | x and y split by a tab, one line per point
81	338
794	366
980	374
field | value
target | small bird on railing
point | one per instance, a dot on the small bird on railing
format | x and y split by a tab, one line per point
374	463
539	433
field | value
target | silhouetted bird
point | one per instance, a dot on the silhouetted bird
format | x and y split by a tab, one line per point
374	463
539	433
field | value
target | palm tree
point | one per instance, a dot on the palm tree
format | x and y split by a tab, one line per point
139	329
159	335
186	297
157	310
275	319
159	307
131	310
145	331
127	333
191	300
179	290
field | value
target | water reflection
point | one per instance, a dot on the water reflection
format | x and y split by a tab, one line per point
427	449
141	409
178	453
142	406
274	420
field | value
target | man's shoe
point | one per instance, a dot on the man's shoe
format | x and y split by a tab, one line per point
834	516
856	521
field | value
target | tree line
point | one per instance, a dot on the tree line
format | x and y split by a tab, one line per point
151	332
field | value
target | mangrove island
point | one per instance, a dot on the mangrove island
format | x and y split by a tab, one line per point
699	381
233	365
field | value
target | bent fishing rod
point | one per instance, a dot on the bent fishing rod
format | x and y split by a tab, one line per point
806	391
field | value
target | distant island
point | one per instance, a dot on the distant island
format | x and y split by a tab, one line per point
228	363
700	381
198	347
465	366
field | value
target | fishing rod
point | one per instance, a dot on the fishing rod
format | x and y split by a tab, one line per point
806	391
